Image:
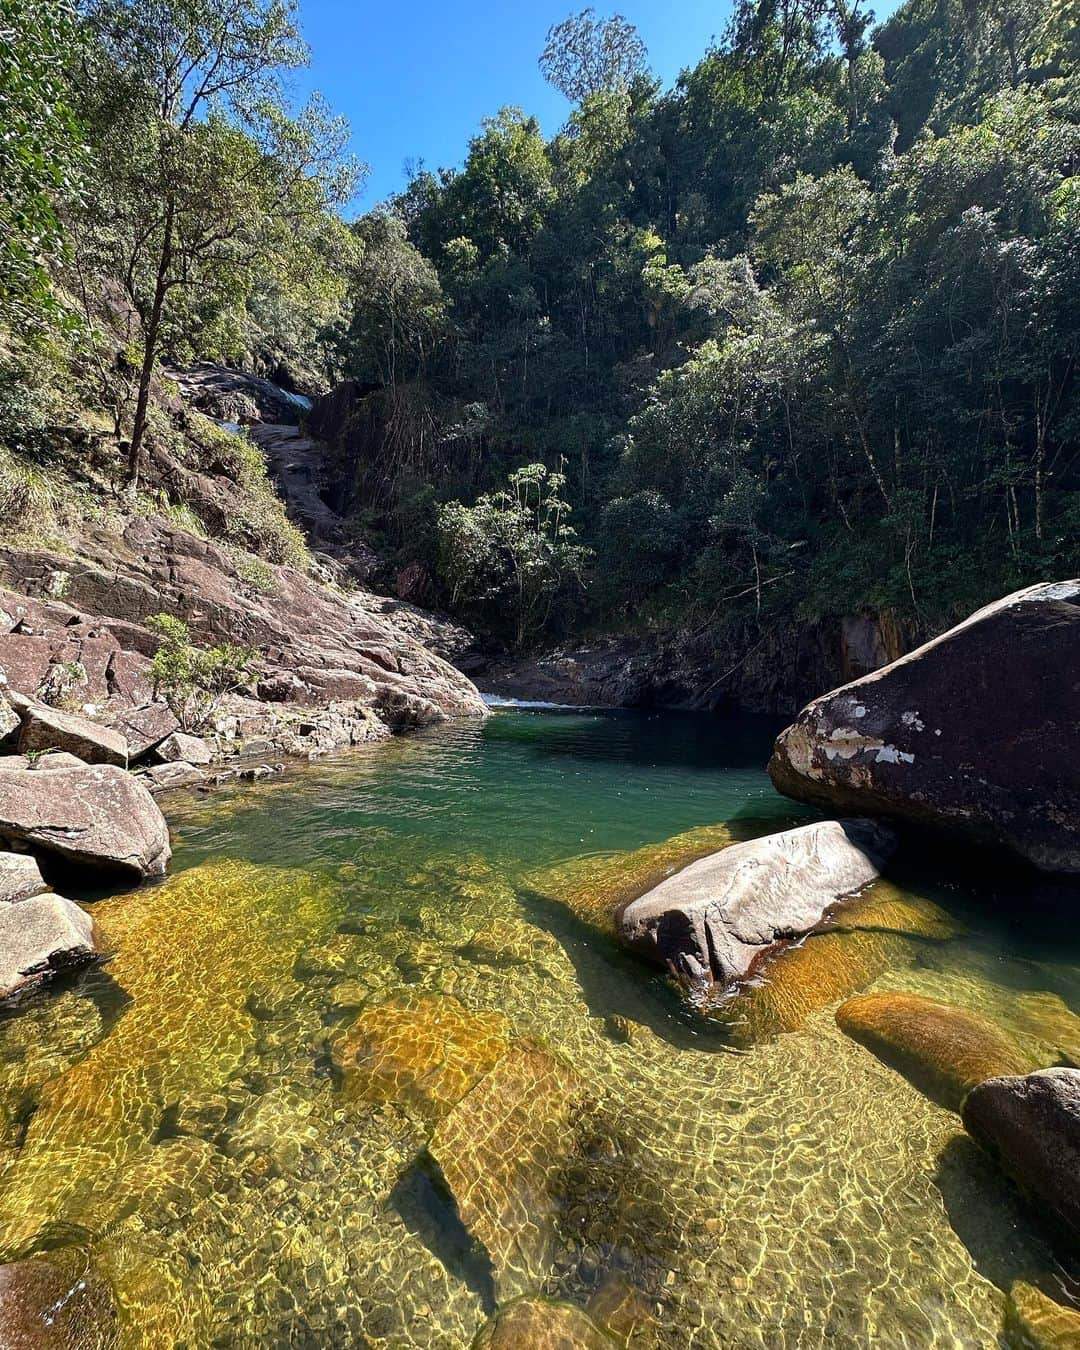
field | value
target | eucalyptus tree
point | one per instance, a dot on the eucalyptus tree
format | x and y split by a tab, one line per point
585	55
201	164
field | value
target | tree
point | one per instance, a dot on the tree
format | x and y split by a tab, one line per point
199	163
585	55
513	549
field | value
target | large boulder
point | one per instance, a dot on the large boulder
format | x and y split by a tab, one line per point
39	937
45	728
713	921
975	732
1031	1124
97	815
146	726
179	747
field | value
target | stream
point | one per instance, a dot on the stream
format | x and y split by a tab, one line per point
189	1119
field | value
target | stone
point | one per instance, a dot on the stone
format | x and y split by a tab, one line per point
975	732
98	815
944	1050
10	721
423	1053
145	727
56	1302
57	759
712	922
503	1151
45	728
1031	1124
39	937
542	1324
162	777
20	878
11	763
880	930
1035	1321
180	746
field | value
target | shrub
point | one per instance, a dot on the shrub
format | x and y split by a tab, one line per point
195	679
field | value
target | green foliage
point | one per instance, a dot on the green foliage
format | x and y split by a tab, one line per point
193	679
510	555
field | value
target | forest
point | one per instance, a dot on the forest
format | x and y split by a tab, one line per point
795	337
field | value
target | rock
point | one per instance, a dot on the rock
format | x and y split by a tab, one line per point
423	1053
10	720
945	1051
146	726
39	937
502	1152
56	1302
881	930
98	815
711	922
1031	1124
45	728
20	878
975	732
180	746
541	1324
11	763
1035	1321
57	759
162	777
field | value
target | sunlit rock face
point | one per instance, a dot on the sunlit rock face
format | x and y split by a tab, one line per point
976	732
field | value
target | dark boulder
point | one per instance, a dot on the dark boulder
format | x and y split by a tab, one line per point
975	732
1031	1124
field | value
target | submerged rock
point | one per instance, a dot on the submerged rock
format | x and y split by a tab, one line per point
1035	1321
1031	1124
424	1053
39	937
714	920
98	815
542	1324
56	1302
975	732
45	728
944	1050
502	1151
877	931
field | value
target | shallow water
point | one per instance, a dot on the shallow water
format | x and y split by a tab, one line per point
367	1065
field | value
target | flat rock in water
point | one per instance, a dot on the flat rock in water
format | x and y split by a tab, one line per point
502	1151
180	746
975	732
162	777
713	920
45	728
98	815
944	1050
39	937
542	1324
424	1053
56	1302
1031	1124
20	878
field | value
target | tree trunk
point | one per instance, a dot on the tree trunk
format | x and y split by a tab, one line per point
150	340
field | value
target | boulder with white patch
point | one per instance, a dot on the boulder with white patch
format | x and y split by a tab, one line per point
976	732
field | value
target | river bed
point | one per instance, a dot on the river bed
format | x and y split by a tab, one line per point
180	1117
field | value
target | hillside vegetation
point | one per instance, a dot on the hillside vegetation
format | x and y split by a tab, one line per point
796	337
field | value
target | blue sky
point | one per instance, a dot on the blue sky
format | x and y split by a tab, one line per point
416	79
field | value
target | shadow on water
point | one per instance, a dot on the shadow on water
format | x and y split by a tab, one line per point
615	983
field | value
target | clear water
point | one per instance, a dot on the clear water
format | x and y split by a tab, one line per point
368	1065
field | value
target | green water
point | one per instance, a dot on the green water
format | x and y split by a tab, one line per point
257	1121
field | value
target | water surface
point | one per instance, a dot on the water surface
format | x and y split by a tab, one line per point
191	1119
